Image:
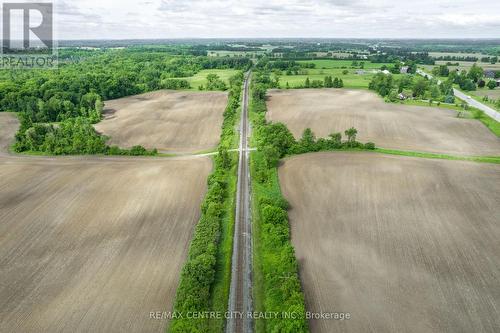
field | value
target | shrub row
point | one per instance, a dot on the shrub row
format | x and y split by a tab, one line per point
280	290
199	272
134	151
279	287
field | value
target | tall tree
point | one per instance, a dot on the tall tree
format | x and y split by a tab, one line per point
351	136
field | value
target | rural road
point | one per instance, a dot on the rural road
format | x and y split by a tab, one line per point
472	102
240	295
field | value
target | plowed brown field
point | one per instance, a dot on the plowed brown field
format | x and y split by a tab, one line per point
402	244
388	125
171	121
93	244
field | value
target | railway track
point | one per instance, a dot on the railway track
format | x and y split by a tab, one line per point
240	297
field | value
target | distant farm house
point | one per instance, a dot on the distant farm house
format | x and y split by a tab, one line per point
404	70
489	74
360	72
403	96
498	82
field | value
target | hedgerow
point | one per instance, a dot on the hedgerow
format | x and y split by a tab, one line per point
199	272
277	282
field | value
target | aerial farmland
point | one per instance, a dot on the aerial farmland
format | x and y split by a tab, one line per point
93	243
169	121
400	243
251	185
395	126
403	242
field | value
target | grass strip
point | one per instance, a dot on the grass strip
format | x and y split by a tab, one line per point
481	159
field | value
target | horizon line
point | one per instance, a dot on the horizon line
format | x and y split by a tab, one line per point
285	38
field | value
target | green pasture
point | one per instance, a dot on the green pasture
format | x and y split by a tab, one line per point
200	78
351	79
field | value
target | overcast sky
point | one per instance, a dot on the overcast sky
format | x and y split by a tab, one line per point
123	19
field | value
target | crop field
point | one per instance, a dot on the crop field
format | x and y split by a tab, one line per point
495	93
493	96
402	244
394	126
200	78
94	244
171	121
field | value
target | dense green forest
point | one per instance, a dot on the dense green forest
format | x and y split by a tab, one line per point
73	95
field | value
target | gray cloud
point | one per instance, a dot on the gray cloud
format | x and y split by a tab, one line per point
174	6
282	12
63	8
278	18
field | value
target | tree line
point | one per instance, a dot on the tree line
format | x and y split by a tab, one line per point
457	58
490	59
327	82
